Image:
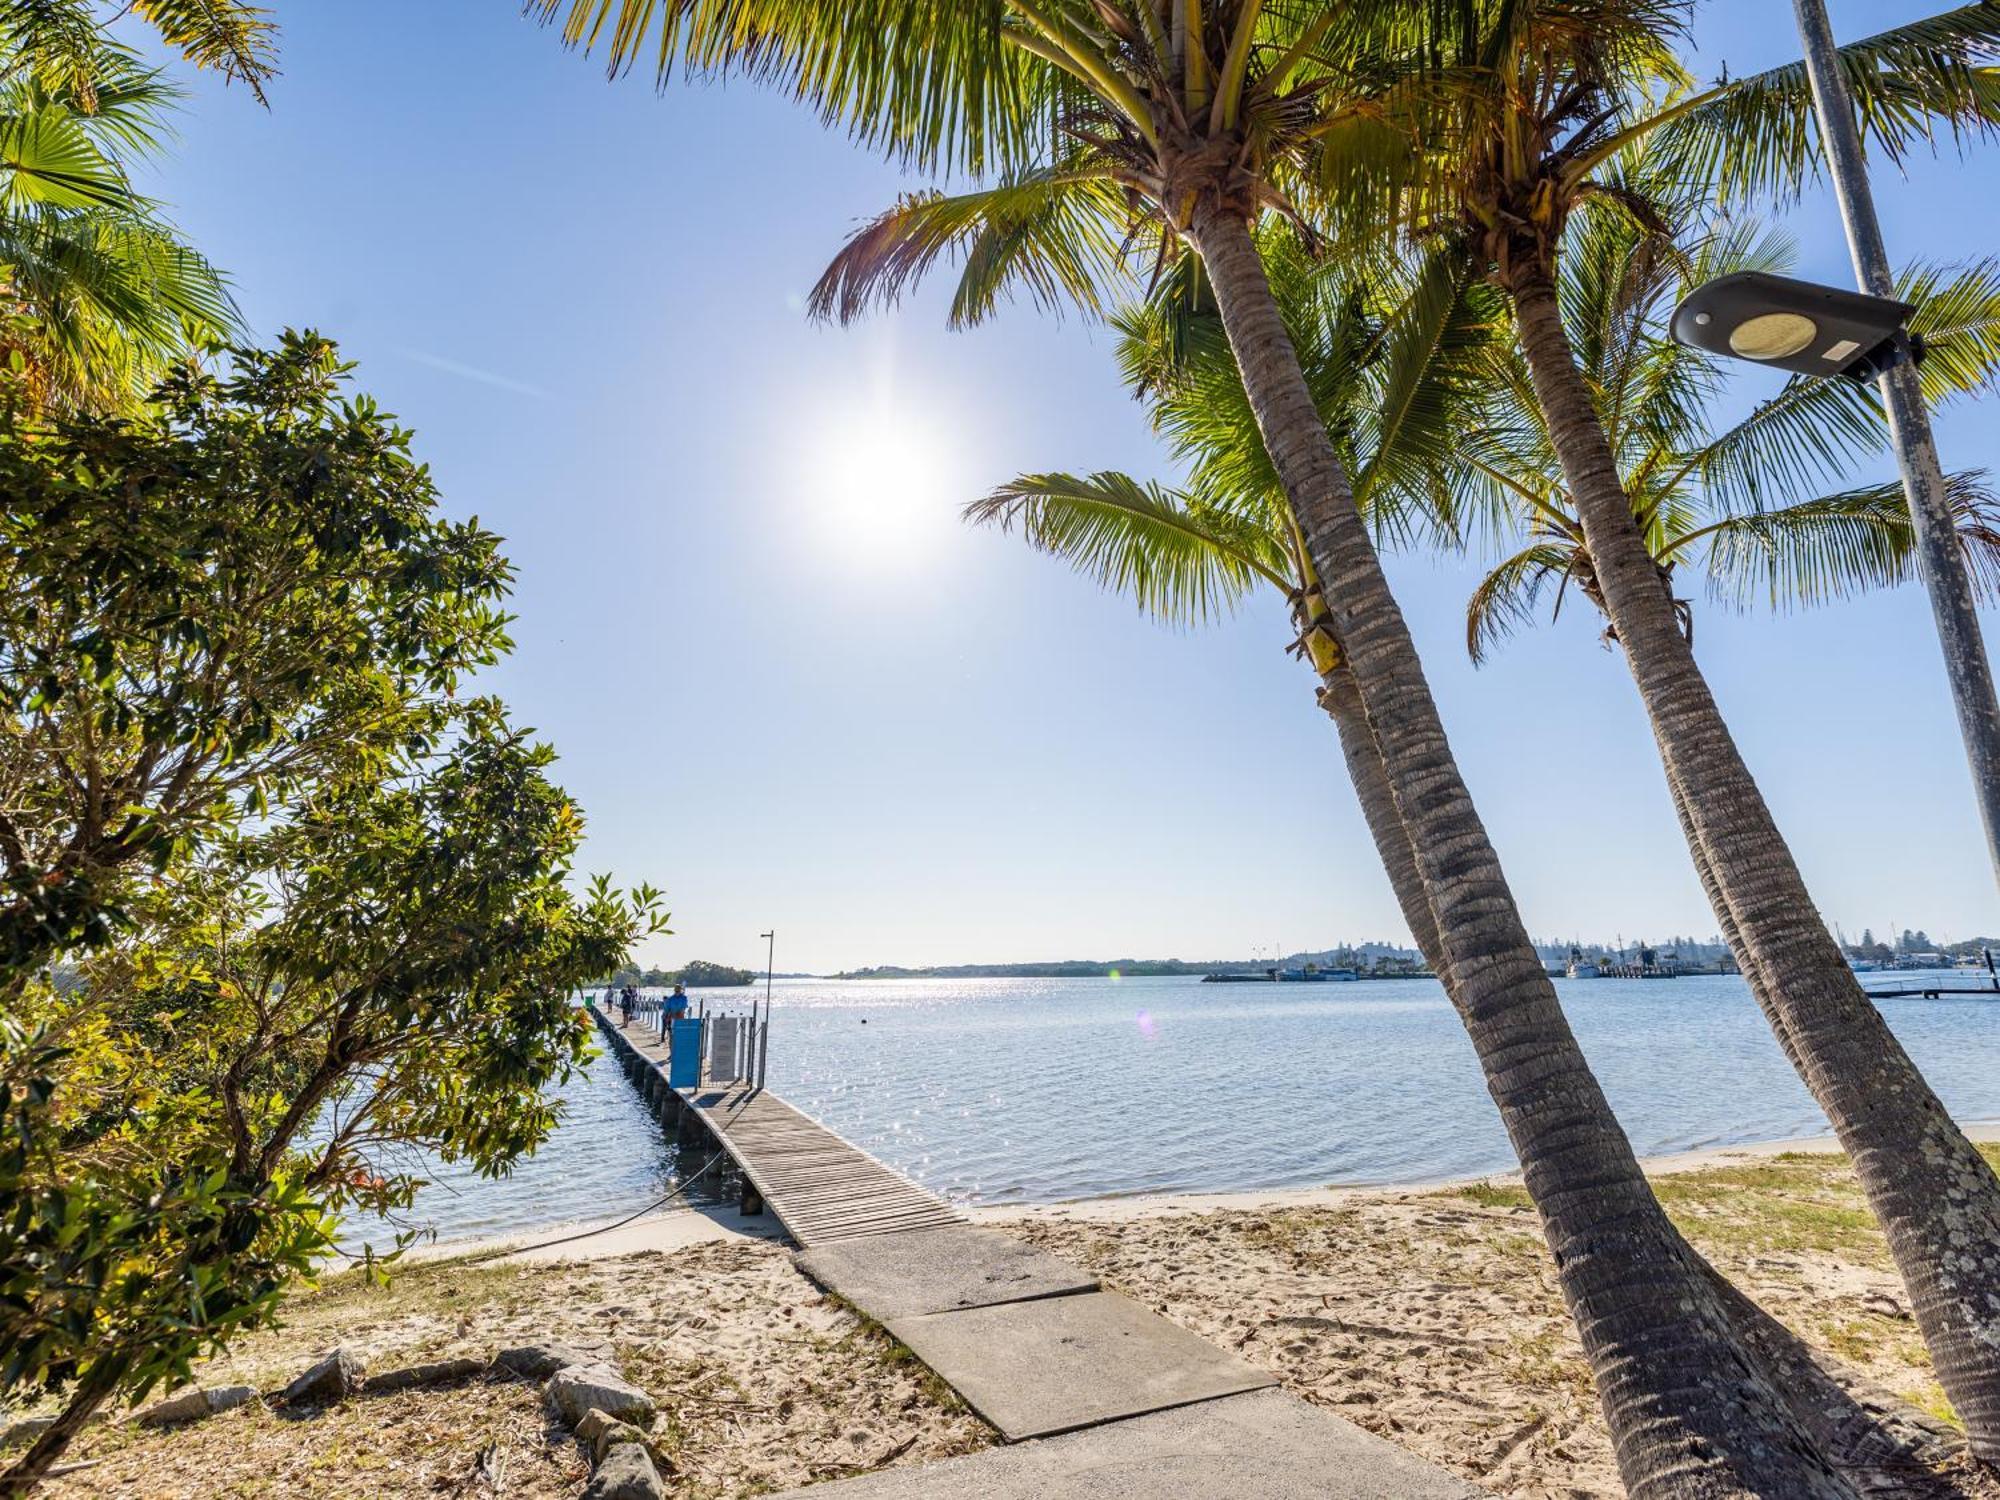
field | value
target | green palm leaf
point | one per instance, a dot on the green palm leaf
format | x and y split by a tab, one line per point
1046	232
1506	598
236	40
47	158
1841	544
1909	85
1184	562
923	79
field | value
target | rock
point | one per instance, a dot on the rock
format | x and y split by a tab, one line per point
614	1435
627	1473
334	1378
193	1404
189	1406
540	1361
20	1434
600	1432
437	1372
1884	1306
574	1391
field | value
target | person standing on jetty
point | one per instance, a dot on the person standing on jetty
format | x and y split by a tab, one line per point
677	1004
625	998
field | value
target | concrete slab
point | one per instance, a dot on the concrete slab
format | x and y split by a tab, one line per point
1268	1445
940	1270
1034	1369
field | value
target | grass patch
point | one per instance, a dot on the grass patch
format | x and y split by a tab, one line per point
1494	1195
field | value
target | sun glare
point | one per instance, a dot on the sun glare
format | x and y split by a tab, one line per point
879	479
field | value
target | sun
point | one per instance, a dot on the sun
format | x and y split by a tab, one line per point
879	480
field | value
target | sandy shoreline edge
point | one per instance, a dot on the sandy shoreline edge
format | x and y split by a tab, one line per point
677	1228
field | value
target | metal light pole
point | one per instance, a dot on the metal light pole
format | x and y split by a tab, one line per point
1938	561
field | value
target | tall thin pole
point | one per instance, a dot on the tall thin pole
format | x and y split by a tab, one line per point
1939	562
764	1039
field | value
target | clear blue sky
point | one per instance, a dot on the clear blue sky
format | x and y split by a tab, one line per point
788	698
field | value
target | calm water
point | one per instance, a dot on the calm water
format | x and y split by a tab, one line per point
1006	1090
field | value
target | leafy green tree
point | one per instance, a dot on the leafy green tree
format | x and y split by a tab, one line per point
243	589
388	963
1106	123
1520	116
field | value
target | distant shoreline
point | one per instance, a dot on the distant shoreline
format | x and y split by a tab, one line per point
1125	968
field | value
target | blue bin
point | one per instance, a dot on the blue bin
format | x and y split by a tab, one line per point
684	1055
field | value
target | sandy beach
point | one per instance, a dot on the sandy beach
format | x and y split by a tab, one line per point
1427	1315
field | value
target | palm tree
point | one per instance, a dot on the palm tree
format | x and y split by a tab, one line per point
98	296
1492	123
1726	502
1188	123
1395	365
64	42
1187	556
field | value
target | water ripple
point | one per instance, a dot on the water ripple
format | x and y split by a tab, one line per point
1006	1091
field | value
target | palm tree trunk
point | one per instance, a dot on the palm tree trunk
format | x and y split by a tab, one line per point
1688	1411
1760	985
1937	1199
1878	1442
1342	701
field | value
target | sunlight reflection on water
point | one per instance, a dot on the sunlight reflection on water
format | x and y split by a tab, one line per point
1019	1090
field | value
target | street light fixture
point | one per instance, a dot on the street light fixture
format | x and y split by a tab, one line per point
1798	326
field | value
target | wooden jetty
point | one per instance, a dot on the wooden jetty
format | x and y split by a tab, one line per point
1932	991
819	1187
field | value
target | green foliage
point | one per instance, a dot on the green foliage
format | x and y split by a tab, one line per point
64	42
102	295
317	903
239	591
387	963
1744	504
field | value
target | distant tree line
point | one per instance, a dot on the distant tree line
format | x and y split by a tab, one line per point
697	973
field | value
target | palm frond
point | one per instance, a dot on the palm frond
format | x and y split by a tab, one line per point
1048	232
64	48
110	300
1910	86
229	37
927	80
1426	386
1184	562
1958	315
1506	598
48	159
1842	544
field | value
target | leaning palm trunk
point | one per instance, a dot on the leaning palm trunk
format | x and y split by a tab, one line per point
1689	1413
1878	1443
1937	1199
1342	701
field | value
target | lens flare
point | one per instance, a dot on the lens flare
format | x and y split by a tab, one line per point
1147	1028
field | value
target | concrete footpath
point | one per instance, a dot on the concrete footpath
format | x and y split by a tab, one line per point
1098	1397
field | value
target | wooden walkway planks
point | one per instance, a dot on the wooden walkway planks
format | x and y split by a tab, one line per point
821	1188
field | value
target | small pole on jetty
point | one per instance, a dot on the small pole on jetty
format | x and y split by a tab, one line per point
764	1037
